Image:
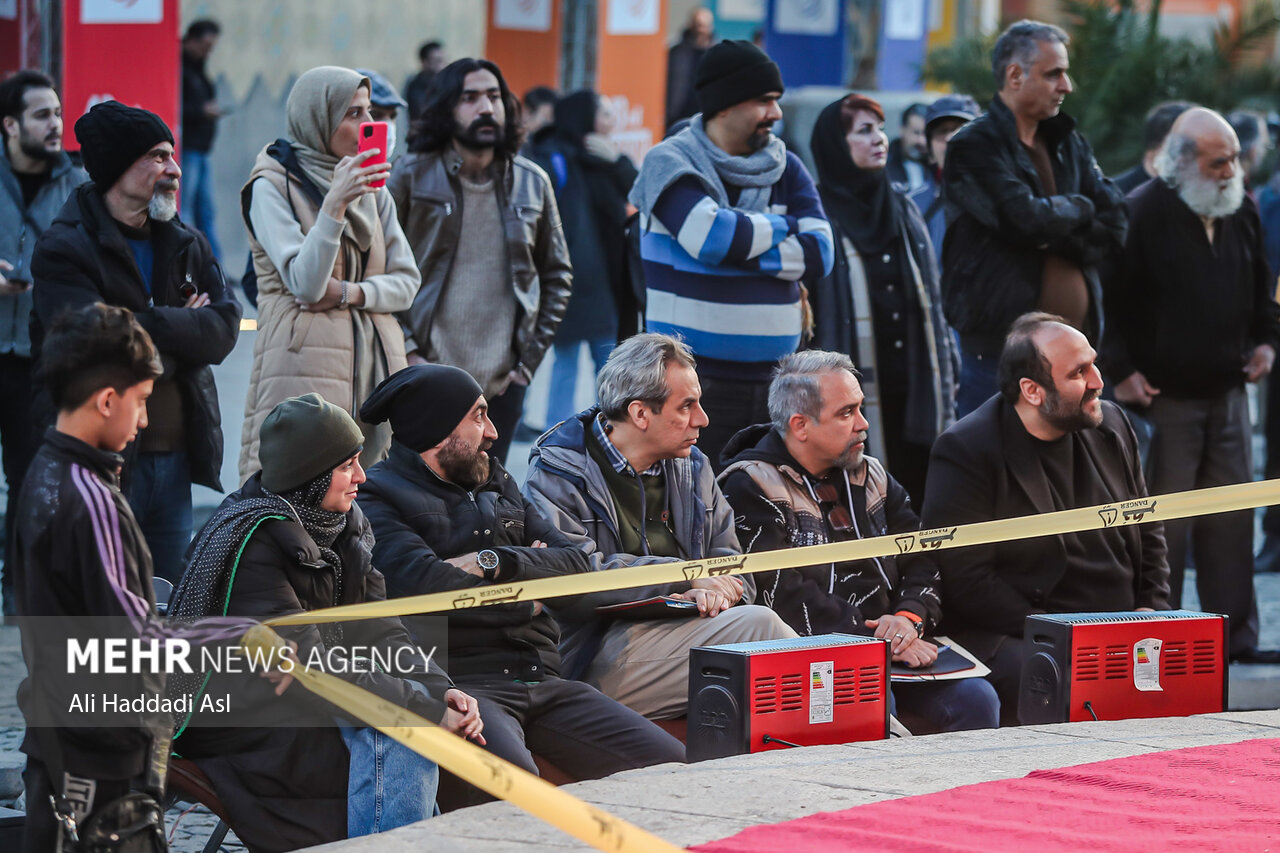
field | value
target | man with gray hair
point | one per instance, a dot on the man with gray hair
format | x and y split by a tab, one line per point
1192	319
626	483
1030	215
804	479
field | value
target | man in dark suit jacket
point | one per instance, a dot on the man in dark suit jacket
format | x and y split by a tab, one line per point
1045	443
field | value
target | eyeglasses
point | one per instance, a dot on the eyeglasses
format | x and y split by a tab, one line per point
838	515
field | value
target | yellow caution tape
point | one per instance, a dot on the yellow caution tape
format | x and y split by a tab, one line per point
468	761
1156	508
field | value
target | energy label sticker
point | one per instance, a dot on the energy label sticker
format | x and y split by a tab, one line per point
821	692
1146	664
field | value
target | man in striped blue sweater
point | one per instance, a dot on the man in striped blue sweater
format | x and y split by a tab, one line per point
732	235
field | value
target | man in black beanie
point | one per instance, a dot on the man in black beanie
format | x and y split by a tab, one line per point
733	237
117	241
446	516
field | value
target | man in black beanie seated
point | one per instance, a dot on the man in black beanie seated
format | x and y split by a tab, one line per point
446	517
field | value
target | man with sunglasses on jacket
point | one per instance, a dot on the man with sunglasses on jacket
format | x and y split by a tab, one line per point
805	480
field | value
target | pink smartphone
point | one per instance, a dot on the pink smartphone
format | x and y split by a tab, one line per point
373	134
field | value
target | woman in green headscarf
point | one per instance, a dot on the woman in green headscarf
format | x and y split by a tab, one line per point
333	265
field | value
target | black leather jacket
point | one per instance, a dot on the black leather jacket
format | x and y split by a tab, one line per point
1001	223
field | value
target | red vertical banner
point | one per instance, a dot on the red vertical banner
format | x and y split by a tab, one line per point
11	53
631	70
20	34
523	39
10	39
123	50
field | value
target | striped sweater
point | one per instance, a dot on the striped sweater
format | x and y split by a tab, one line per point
728	281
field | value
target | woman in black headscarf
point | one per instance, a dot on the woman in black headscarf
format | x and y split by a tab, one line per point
881	303
591	178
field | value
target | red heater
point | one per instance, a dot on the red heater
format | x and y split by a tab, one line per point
749	697
1117	666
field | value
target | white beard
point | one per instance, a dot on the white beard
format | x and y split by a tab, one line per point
1209	198
163	206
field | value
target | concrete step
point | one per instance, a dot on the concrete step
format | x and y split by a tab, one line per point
694	804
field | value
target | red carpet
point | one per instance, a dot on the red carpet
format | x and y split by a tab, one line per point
1204	798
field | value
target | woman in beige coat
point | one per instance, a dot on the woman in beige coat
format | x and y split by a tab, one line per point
333	264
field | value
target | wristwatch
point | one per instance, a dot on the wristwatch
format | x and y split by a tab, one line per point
488	562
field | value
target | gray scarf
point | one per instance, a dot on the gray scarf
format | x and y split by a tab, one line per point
691	152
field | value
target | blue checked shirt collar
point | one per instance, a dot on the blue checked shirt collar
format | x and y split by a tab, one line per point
599	428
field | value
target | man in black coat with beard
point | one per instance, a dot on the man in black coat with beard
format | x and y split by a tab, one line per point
448	517
1192	319
1047	442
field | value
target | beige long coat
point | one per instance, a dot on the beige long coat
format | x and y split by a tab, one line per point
342	353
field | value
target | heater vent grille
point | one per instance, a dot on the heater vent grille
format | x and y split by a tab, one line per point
764	694
1173	659
1106	663
772	695
1117	663
792	693
846	686
861	684
1206	658
1086	665
1110	663
1108	618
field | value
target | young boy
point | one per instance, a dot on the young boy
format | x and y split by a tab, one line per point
81	559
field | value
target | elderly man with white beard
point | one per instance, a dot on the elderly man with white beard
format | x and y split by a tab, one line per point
118	241
1191	318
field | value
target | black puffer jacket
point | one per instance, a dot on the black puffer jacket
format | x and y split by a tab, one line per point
83	258
1001	223
279	764
420	522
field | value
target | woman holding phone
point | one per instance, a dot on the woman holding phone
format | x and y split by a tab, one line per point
332	262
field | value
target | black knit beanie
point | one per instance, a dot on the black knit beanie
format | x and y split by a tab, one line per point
112	137
302	438
424	402
732	72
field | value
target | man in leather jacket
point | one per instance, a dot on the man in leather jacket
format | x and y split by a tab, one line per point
487	305
1030	215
